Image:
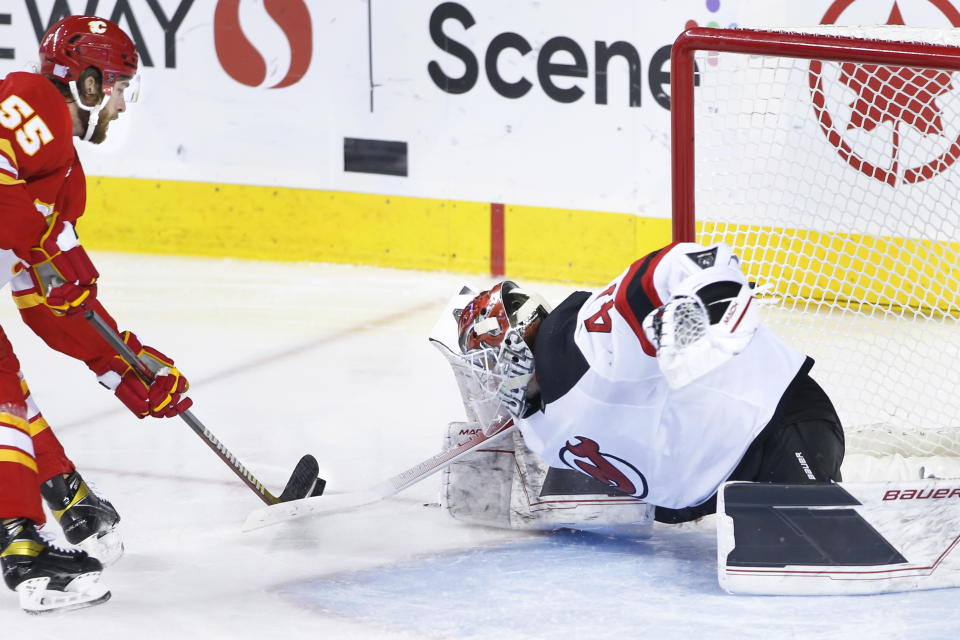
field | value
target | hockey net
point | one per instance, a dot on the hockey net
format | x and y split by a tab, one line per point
827	160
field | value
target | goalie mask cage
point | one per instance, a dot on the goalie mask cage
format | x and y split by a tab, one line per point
826	159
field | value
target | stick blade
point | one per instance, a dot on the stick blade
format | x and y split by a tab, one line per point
304	481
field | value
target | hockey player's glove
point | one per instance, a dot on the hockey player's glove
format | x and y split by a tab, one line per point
61	270
162	398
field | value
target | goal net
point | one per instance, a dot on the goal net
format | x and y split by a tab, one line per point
827	159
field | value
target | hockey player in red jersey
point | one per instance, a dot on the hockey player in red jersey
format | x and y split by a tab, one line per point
660	386
87	68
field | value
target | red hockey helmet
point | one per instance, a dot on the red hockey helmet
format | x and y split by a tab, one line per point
77	42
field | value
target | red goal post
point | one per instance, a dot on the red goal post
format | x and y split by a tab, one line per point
826	159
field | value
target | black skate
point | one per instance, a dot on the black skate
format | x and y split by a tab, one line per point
88	520
47	578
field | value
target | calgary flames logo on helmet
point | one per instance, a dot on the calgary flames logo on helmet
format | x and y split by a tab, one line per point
77	42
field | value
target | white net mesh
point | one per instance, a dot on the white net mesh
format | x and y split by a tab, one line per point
836	184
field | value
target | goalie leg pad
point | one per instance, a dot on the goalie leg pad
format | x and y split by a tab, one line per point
508	486
476	488
548	498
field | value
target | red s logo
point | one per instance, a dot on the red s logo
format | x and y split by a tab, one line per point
241	60
586	457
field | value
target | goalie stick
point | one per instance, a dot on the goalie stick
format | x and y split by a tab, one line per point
303	482
838	539
329	504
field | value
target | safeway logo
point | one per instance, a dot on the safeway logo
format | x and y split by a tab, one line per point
617	473
243	61
893	129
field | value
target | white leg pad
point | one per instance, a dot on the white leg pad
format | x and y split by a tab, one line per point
507	485
476	488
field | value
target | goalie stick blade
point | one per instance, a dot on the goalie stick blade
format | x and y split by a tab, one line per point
314	506
304	481
834	539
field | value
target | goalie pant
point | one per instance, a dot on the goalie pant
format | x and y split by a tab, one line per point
802	444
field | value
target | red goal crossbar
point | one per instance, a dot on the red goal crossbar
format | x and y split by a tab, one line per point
683	75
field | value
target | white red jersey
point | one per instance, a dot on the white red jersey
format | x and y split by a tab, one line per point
608	411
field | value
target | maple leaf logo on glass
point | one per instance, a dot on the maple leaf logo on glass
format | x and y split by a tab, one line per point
894	127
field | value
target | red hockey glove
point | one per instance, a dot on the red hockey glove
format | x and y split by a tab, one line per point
61	269
162	398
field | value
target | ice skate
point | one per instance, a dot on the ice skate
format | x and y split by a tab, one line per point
88	521
46	577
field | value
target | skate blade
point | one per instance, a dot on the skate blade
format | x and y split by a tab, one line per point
85	590
107	547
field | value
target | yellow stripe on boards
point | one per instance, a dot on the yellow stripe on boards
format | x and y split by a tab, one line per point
577	246
282	224
848	269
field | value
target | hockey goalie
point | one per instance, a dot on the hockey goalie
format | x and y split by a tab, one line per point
634	403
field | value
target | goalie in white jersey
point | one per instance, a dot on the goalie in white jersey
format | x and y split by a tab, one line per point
650	392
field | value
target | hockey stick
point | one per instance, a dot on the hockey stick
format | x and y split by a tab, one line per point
328	504
303	482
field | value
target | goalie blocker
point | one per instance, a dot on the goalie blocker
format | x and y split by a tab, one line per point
847	538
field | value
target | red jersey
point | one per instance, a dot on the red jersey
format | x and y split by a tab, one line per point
40	173
41	178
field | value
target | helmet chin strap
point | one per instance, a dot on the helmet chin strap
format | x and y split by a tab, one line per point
94	111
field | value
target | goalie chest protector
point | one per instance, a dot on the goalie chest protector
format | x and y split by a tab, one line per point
608	411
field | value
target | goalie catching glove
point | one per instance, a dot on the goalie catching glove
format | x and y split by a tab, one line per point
61	270
162	397
710	318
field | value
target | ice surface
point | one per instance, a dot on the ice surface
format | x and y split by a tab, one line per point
333	360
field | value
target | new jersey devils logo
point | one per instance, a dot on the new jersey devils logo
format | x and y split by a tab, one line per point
242	61
586	457
893	129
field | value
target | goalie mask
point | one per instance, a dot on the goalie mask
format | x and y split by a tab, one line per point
493	356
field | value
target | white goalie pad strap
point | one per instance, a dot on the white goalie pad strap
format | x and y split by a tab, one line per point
503	486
